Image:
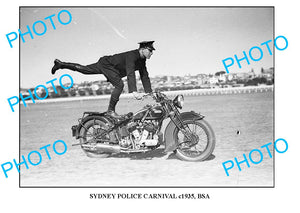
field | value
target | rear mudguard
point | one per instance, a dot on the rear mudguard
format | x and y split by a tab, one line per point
170	144
85	118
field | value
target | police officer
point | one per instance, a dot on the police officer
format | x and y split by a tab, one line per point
114	68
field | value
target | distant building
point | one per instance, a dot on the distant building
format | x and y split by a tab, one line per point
213	80
245	75
267	73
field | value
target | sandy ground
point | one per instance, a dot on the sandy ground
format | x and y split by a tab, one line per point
251	114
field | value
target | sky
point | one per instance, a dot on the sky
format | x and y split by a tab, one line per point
187	40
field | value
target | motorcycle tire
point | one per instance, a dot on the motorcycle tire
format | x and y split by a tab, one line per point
83	133
206	134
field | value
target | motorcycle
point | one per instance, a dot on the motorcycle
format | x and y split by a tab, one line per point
187	134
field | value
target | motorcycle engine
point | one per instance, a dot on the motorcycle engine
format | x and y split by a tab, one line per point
143	134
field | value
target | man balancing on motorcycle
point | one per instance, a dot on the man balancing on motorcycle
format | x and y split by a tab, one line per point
114	68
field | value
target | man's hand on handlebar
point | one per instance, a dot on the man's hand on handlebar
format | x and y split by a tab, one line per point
141	95
138	95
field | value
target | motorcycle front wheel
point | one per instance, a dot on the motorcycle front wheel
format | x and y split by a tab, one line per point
196	143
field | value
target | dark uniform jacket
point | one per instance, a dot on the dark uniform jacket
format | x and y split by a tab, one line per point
125	64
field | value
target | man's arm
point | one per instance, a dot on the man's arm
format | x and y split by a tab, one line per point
130	68
145	79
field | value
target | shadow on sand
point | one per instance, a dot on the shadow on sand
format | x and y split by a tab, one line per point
158	153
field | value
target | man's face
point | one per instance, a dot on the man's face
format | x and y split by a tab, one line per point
147	53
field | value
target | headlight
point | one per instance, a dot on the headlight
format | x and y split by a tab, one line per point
178	101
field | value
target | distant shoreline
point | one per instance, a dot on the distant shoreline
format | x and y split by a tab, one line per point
191	92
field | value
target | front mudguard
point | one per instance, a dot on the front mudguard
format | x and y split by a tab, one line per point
170	143
85	118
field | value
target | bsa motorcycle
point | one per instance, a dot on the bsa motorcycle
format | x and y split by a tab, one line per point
187	134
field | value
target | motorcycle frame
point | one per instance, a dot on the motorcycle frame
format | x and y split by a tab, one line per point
170	110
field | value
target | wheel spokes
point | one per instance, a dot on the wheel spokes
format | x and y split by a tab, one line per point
198	134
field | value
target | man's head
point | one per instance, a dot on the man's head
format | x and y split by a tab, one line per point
146	49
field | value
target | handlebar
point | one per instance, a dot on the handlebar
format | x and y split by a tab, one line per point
156	95
151	94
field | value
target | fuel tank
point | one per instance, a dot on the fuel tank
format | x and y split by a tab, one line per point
151	113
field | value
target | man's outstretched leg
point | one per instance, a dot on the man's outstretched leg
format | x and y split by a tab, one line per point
90	69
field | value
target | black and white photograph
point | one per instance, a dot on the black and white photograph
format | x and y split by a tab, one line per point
149	106
147	96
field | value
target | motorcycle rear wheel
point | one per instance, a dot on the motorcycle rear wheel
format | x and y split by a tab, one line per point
203	134
88	133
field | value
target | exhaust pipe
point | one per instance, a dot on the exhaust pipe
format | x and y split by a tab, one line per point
108	148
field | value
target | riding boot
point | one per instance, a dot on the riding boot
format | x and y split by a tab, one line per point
57	65
112	108
66	65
